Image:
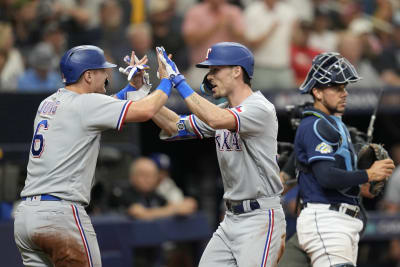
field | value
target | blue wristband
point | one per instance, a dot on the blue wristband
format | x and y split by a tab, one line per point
184	89
165	86
176	80
122	94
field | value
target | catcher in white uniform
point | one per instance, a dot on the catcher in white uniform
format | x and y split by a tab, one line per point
51	226
245	130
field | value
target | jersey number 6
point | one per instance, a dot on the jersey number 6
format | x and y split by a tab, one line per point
38	140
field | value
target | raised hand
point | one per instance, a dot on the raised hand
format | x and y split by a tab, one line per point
135	70
138	78
169	67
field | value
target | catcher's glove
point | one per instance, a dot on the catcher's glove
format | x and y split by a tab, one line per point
367	155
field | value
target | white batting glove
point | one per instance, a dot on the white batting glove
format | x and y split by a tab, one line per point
130	71
173	73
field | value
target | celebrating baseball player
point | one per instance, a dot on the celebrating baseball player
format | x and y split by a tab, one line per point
245	131
51	225
328	227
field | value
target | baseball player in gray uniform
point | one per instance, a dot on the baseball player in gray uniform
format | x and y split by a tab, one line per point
51	226
245	130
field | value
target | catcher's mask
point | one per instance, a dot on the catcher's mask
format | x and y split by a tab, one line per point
329	69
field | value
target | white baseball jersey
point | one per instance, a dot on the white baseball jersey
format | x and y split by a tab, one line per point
247	156
66	142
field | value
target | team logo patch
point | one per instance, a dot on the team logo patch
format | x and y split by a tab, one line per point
239	108
324	148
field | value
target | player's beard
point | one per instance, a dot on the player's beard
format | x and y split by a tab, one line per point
333	109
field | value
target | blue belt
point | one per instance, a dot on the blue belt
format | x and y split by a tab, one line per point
238	207
44	197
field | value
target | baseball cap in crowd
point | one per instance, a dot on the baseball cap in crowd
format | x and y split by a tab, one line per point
162	161
42	57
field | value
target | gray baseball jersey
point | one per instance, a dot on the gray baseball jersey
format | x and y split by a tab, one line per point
247	160
66	142
248	156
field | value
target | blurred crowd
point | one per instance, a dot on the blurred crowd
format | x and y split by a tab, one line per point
284	35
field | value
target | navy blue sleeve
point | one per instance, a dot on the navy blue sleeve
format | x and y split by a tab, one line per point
329	176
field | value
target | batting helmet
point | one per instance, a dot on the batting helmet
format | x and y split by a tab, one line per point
229	54
329	68
79	59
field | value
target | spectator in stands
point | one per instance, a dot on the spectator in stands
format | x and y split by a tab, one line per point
269	30
178	254
322	37
112	30
205	24
351	47
80	19
301	53
26	25
11	63
389	63
167	31
141	200
167	186
54	35
41	75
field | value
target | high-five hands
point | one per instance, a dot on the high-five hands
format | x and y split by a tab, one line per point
171	69
135	66
137	77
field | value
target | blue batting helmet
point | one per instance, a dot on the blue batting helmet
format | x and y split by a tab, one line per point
229	54
328	69
81	58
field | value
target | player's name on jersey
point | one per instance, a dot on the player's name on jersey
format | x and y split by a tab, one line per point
48	108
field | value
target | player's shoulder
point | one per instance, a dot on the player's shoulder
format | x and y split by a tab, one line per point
323	128
257	99
308	121
95	99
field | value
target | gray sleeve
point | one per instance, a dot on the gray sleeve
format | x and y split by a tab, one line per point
252	118
101	112
200	128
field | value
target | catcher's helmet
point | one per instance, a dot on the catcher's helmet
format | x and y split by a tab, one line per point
79	59
329	68
229	54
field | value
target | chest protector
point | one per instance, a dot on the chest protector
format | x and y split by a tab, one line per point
331	130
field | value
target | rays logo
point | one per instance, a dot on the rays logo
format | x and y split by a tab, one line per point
208	52
324	148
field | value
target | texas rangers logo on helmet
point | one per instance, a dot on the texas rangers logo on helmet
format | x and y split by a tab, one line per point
208	52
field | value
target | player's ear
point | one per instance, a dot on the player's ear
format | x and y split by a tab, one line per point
317	93
236	70
87	76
